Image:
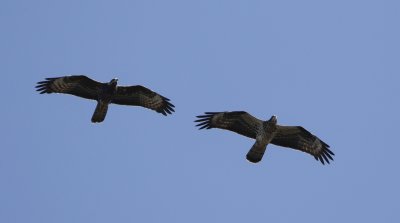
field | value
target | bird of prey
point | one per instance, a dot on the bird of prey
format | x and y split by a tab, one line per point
106	93
265	132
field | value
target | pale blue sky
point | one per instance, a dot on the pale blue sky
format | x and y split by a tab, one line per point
330	66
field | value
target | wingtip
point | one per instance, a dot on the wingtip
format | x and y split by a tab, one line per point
324	157
204	121
167	109
43	86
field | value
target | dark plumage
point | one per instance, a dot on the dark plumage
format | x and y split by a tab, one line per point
106	93
265	132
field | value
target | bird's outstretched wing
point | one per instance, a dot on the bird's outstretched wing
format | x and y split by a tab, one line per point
296	137
141	96
238	121
78	85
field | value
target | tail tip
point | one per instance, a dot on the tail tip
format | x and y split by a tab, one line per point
96	121
253	158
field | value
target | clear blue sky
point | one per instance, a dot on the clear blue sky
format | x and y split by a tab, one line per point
330	66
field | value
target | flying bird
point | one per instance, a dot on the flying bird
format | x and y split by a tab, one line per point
106	93
265	132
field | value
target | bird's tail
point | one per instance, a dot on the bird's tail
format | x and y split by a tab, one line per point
101	111
256	152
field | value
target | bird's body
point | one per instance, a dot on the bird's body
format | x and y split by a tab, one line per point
264	135
266	132
106	93
105	97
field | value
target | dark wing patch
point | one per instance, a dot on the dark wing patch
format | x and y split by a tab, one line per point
141	96
296	137
80	86
239	121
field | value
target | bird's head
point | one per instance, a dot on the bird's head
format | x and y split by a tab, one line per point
113	82
273	119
